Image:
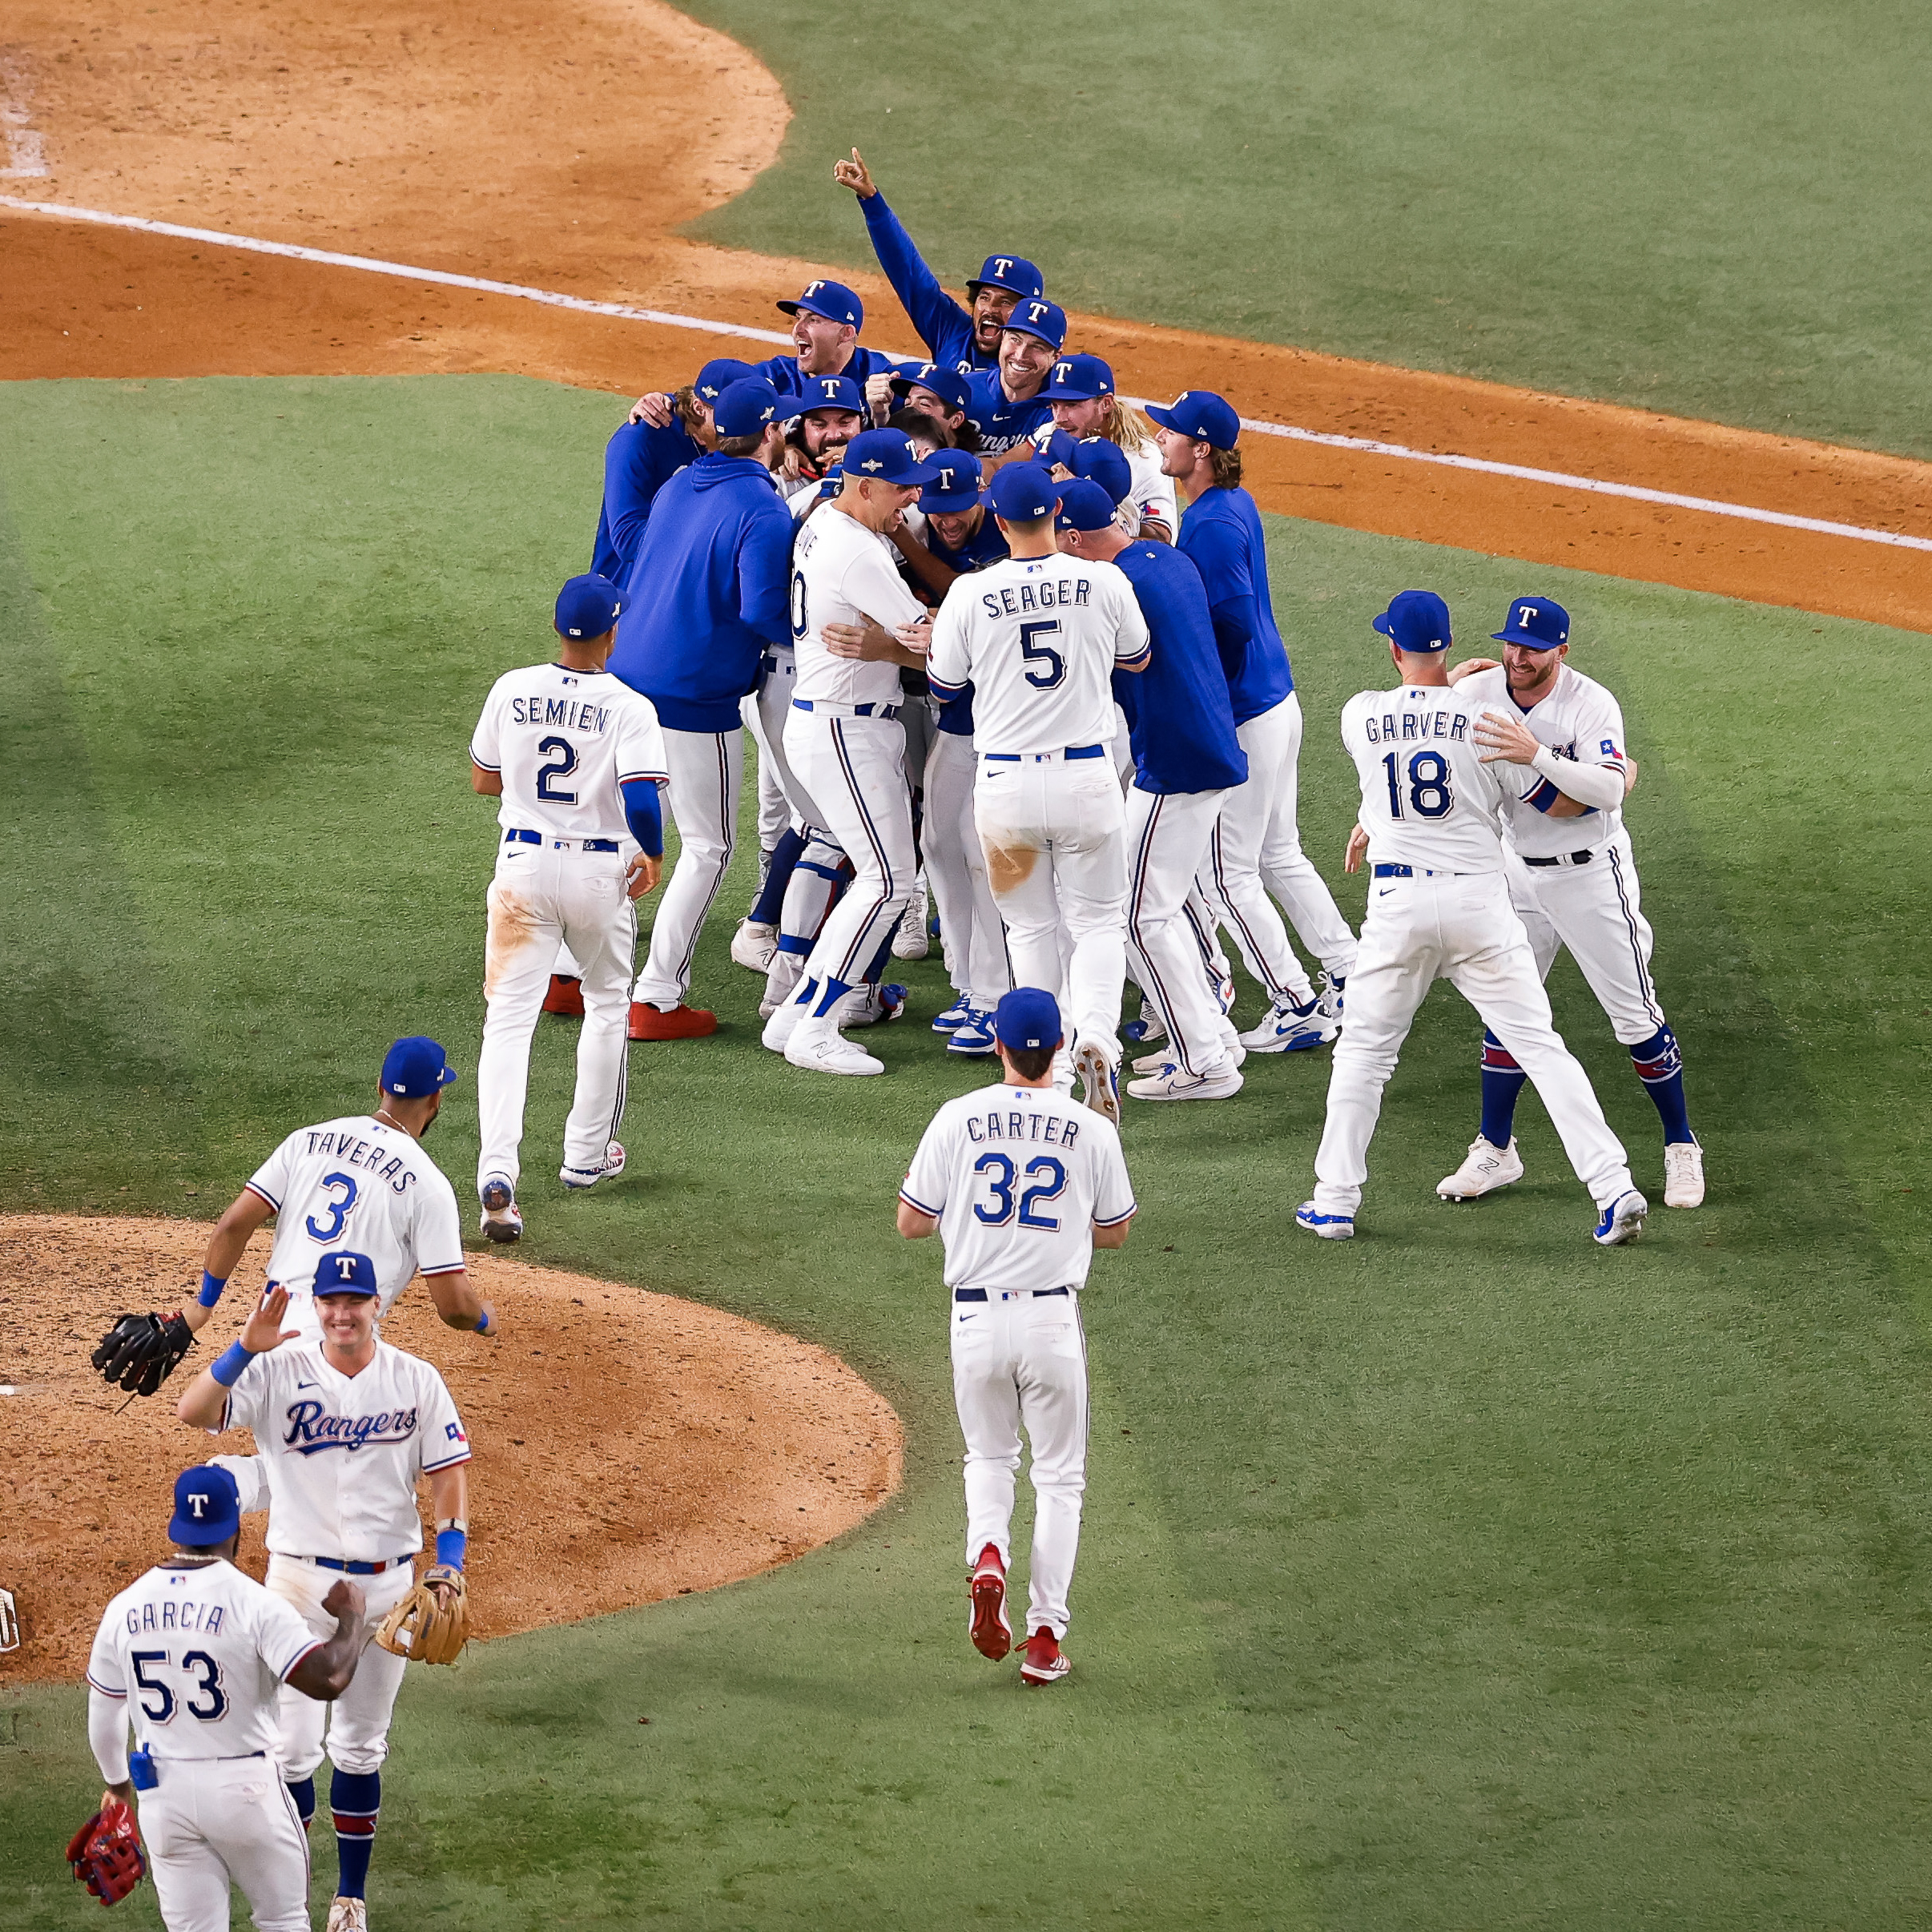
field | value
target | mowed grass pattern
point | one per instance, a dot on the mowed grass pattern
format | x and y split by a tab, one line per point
1464	1575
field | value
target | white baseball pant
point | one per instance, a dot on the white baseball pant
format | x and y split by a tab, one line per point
1459	926
970	932
212	1822
919	719
766	711
1019	1361
707	769
540	893
1169	834
1053	831
1594	910
356	1725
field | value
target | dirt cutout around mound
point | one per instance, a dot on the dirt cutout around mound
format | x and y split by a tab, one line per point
629	1446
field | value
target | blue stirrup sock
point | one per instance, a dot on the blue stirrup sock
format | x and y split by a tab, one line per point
1659	1061
833	991
1502	1082
303	1791
771	901
355	1798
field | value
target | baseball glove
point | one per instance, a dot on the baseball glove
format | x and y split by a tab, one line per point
428	1625
106	1855
139	1352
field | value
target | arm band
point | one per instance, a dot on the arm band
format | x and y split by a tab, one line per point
228	1368
211	1290
485	1320
644	816
450	1545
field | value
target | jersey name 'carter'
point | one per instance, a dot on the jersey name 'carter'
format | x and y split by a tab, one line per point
1068	593
1054	1131
572	714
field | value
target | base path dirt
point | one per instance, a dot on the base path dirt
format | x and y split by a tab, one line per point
555	145
629	1446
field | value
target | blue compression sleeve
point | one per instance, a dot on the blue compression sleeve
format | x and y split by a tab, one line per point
643	815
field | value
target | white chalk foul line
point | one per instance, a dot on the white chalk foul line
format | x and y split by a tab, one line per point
1634	492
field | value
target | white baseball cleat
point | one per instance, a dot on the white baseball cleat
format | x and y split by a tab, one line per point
1484	1170
1683	1174
955	1016
754	945
911	941
1331	1227
347	1915
1289	1028
824	1052
501	1221
1333	988
1099	1086
1622	1222
781	982
1171	1084
782	1022
1148	1029
612	1166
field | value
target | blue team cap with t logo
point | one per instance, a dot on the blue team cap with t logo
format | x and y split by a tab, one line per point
955	483
833	300
1104	463
718	375
1415	620
831	392
1079	378
207	1508
415	1067
1028	1016
587	606
1040	317
1203	415
947	384
887	455
344	1273
746	408
1023	493
1537	621
1011	273
1084	506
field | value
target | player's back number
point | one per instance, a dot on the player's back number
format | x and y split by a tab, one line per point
1049	668
562	756
1430	794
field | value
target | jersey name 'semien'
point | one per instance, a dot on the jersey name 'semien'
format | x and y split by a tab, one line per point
1580	720
842	573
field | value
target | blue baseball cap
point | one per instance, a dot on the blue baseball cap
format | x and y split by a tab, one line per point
1011	273
886	456
1028	1015
587	606
1079	378
745	407
1084	505
955	487
947	384
1104	463
1040	317
207	1508
1201	414
718	375
1023	493
831	392
833	300
1058	448
1415	620
416	1067
1537	621
344	1273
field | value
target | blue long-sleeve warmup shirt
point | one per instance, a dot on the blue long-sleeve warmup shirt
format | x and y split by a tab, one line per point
1221	532
1002	422
639	461
944	326
709	587
784	375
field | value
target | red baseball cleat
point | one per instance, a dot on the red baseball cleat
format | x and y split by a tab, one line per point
566	997
993	1635
1043	1664
680	1023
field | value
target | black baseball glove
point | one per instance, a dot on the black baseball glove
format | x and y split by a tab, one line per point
139	1352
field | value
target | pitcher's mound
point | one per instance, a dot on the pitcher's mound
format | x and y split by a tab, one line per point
629	1446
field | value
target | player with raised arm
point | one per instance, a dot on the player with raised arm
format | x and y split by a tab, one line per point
1021	1186
344	1427
1438	908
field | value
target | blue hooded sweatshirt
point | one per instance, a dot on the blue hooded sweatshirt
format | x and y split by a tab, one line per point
1221	532
638	460
710	585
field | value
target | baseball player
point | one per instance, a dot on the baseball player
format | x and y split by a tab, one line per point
835	412
826	320
933	389
1006	403
1572	880
1038	637
705	600
963	339
576	759
1022	1186
344	1427
1257	847
1438	908
1186	757
1080	391
363	1182
194	1655
843	738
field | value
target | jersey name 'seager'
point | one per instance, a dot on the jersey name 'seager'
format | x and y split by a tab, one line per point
1580	719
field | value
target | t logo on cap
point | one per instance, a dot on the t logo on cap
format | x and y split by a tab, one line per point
1537	623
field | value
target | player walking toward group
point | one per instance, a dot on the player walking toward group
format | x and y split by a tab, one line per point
194	1655
1022	1186
345	1428
1572	880
1438	908
576	758
1038	636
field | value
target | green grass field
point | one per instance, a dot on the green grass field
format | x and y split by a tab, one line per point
1466	1576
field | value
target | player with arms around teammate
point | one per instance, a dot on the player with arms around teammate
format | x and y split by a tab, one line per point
1572	880
343	1427
1080	391
194	1655
576	758
1438	908
1039	636
1021	1186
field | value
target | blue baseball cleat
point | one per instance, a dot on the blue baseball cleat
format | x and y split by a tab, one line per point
975	1038
955	1016
1331	1227
1622	1222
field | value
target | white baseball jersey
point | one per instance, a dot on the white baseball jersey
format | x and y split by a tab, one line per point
1038	637
1151	493
1018	1176
200	1653
564	742
1579	720
1428	798
342	1453
841	574
356	1183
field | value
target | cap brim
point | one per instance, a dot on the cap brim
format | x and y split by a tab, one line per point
1527	642
187	1534
1382	624
1166	419
952	503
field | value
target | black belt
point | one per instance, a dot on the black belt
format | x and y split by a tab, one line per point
517	836
1582	857
980	1294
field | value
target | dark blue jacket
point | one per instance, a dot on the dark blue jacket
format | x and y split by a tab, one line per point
782	373
1220	531
708	591
984	546
944	327
639	461
1181	721
1003	424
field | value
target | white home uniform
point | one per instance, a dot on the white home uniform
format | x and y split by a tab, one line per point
1018	1176
564	742
359	1183
341	1455
194	1659
1150	491
1438	908
1038	638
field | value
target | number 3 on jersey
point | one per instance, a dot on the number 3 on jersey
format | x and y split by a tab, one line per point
1430	793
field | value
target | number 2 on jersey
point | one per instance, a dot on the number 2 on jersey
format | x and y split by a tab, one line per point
1430	793
1036	652
563	756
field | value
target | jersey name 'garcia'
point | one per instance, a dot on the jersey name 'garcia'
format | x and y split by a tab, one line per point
1580	720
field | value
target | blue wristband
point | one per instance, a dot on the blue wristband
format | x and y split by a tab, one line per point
450	1545
211	1290
227	1369
485	1319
